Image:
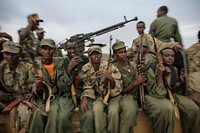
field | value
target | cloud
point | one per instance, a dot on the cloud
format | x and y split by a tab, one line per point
63	19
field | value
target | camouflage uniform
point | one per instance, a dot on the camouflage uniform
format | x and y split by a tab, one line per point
58	119
29	44
14	84
94	120
193	58
147	41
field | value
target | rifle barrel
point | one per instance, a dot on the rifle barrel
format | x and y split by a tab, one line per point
87	36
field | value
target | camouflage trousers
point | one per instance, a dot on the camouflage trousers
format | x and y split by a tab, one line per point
16	121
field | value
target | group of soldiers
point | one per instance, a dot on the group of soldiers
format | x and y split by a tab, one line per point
39	89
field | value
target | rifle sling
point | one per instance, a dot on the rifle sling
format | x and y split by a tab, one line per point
171	98
73	91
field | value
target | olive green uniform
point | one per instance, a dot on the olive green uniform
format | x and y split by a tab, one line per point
61	108
157	106
76	75
164	28
189	111
122	113
94	120
15	83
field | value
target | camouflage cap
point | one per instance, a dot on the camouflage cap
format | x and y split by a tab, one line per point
34	17
48	42
10	47
118	45
94	48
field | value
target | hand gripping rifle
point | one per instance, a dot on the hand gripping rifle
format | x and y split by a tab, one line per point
109	69
88	36
47	92
166	84
141	87
73	89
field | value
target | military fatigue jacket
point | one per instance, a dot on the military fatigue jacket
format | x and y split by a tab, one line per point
147	40
15	81
164	28
193	59
30	43
76	74
93	85
160	91
61	79
128	76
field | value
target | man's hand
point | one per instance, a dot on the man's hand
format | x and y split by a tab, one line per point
141	78
38	81
73	63
177	46
182	76
84	105
161	69
104	74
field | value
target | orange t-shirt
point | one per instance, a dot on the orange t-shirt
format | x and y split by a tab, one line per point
50	69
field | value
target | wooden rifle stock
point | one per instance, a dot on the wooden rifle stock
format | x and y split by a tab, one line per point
106	97
73	91
12	105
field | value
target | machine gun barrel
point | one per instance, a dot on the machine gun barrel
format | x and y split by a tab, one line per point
87	37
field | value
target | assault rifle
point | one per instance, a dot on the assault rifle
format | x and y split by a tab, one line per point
88	36
109	69
141	87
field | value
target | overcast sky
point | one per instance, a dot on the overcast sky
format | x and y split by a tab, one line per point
65	18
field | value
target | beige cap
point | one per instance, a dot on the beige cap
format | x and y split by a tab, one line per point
48	42
11	47
94	48
118	45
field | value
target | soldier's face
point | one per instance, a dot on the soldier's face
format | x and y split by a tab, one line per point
168	56
81	47
47	52
40	35
72	50
11	58
140	28
95	57
121	55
